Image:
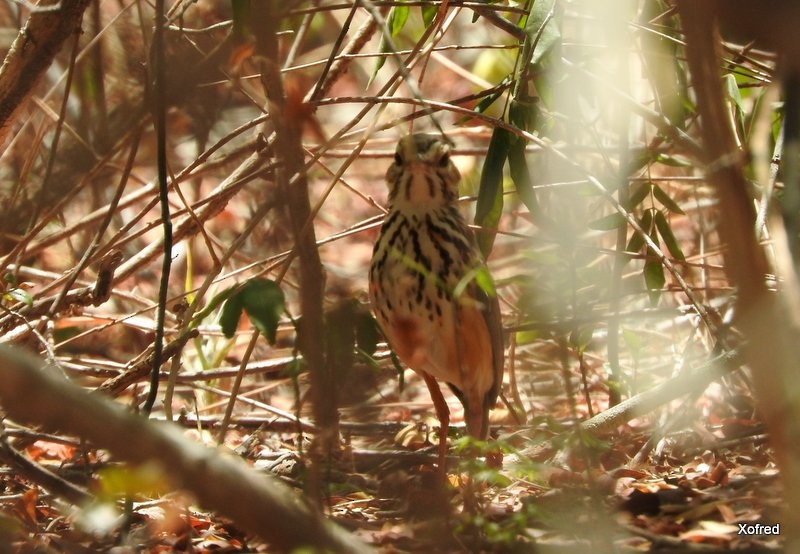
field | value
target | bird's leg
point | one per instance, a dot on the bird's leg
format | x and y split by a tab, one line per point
443	413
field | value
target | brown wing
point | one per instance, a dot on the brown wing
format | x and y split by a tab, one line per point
494	323
480	353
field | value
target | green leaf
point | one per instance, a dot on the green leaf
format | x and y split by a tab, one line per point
231	313
673	161
490	99
398	16
581	337
481	276
263	301
20	295
490	191
653	230
213	303
654	279
666	201
429	12
379	61
542	29
521	175
639	193
732	88
636	241
609	222
668	237
485	103
547	87
522	113
89	82
484	280
646	223
295	367
131	481
638	159
526	337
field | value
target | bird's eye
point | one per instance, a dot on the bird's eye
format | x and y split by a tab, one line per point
444	160
398	159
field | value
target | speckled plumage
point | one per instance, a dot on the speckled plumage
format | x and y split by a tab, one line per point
422	283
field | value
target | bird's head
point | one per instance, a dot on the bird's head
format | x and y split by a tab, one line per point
423	175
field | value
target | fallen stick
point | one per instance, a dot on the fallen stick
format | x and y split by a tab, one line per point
33	393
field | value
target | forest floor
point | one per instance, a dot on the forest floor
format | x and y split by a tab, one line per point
708	483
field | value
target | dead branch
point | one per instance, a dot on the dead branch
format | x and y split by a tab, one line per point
687	382
41	475
261	505
116	385
33	51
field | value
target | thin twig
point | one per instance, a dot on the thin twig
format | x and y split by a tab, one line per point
159	92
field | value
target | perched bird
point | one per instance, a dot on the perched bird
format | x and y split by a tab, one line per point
423	288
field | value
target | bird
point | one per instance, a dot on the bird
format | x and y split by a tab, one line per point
424	289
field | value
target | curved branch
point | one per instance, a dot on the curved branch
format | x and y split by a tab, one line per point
32	52
259	504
